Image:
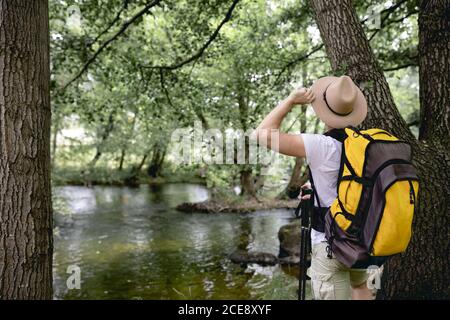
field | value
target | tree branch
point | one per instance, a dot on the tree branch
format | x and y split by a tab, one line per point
402	66
205	46
387	13
390	10
112	23
124	27
299	59
163	87
413	123
404	17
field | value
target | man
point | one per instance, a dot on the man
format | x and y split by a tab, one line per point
338	102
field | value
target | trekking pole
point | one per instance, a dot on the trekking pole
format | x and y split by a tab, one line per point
305	207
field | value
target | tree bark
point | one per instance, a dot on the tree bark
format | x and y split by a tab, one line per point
434	71
422	271
25	193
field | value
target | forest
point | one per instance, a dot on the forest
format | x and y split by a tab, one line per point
92	183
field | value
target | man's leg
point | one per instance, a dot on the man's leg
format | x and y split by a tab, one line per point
330	280
362	292
358	280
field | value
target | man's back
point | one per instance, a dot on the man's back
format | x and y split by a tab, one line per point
323	155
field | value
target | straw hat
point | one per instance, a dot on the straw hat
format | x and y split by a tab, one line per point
339	102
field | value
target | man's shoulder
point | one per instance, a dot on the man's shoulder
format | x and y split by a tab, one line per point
321	149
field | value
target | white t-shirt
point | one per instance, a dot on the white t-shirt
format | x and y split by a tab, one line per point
323	155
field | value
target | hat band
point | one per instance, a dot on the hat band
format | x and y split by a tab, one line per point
331	109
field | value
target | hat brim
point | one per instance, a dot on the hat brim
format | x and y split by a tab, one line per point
355	118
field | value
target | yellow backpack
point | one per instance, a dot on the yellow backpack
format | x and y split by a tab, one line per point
371	218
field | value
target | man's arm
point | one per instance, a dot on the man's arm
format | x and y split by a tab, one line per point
268	130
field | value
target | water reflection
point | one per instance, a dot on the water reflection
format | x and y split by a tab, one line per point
132	244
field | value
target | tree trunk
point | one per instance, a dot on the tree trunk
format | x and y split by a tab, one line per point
434	71
156	163
421	272
124	148
104	136
25	193
133	178
247	182
246	173
141	164
122	159
293	187
260	178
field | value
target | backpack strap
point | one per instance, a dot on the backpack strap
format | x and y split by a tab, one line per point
319	212
315	194
338	134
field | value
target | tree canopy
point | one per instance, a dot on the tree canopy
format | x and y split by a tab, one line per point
127	73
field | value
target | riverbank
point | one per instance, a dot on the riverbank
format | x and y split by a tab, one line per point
230	203
103	176
236	205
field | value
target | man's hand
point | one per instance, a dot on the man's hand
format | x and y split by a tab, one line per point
308	196
301	96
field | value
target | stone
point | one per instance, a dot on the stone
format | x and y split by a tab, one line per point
262	258
289	237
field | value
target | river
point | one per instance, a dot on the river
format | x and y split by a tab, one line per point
130	243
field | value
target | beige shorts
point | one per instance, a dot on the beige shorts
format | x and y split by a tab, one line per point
330	279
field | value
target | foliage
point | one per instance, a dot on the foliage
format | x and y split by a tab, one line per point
121	112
